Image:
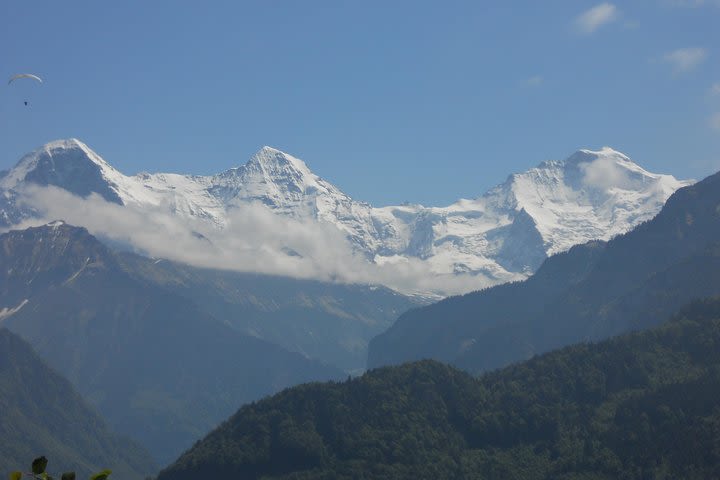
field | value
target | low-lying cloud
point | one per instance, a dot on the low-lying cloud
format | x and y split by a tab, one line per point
254	240
604	173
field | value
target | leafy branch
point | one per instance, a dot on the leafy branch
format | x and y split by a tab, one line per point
39	466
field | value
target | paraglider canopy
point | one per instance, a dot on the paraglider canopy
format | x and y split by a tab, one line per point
25	75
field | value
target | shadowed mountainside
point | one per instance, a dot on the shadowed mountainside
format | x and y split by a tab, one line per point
43	414
158	368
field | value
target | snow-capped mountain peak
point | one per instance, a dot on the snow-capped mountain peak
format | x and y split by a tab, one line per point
608	168
279	169
68	164
590	195
502	235
271	158
278	180
585	155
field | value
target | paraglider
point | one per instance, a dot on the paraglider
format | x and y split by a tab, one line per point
25	75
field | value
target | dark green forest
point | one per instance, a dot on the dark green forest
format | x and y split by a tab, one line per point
641	406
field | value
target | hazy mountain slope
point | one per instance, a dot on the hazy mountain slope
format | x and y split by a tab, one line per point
326	321
41	414
157	367
502	235
655	268
638	406
446	329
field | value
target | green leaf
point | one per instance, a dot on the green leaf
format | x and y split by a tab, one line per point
39	465
68	476
15	476
101	475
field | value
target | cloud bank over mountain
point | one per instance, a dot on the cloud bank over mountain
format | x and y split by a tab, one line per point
254	240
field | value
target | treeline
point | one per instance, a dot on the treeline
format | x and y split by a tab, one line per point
640	406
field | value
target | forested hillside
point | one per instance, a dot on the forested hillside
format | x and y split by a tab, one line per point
639	406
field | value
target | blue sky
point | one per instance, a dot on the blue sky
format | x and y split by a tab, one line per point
421	101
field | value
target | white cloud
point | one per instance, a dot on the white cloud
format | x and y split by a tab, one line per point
590	20
631	24
691	3
254	240
685	59
715	121
604	173
534	81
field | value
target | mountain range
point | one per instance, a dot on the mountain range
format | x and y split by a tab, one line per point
159	368
590	292
502	235
167	346
641	405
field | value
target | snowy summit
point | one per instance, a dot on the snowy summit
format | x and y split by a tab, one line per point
501	235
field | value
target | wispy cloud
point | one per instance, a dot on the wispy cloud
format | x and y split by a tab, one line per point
691	3
715	90
631	24
589	21
685	59
715	121
254	240
534	81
